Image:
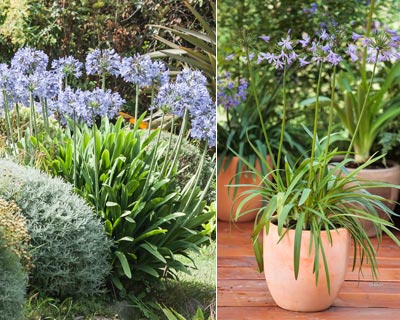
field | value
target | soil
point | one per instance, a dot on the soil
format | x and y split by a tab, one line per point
376	165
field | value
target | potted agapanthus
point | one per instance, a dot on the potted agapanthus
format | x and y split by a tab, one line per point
235	125
238	123
315	206
366	108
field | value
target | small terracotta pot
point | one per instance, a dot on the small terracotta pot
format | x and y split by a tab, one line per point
303	294
391	175
228	198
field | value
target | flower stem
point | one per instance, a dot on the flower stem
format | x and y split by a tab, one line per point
18	121
360	118
75	155
316	112
8	121
151	111
368	31
137	102
264	130
282	134
178	145
34	130
330	120
96	162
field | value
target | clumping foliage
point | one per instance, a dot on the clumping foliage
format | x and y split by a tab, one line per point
70	249
13	284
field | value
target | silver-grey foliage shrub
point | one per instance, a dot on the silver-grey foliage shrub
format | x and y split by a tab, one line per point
13	284
71	251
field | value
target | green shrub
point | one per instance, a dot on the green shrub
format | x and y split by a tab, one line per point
150	218
13	276
70	250
13	284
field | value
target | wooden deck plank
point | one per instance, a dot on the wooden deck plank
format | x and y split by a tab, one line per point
243	292
333	313
385	273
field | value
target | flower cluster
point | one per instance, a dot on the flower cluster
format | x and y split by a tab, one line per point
99	62
381	46
189	92
27	61
28	82
67	66
144	72
84	106
229	95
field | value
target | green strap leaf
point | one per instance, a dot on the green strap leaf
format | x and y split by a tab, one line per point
124	263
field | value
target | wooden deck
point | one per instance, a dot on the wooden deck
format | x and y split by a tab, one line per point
243	293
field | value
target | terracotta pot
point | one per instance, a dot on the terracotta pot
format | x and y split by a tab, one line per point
228	198
303	294
387	175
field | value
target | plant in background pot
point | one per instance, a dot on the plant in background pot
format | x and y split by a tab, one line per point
315	205
237	126
368	107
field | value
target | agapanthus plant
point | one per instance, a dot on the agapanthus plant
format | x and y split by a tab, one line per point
143	72
370	106
314	193
187	97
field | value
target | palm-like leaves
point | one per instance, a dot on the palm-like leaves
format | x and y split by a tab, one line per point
202	55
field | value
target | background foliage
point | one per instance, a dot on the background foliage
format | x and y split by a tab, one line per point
61	27
240	23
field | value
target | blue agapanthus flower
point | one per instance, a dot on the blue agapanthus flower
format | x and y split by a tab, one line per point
189	92
142	71
230	94
27	61
99	62
86	105
67	66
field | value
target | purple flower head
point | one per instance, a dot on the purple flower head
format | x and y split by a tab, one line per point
352	52
324	35
312	9
67	66
313	47
142	71
27	61
230	57
286	43
356	36
303	62
71	105
265	38
6	77
99	62
189	92
84	105
44	85
333	58
305	40
103	103
7	86
230	95
265	56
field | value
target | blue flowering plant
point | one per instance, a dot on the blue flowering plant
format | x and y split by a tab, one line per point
316	192
238	121
127	172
